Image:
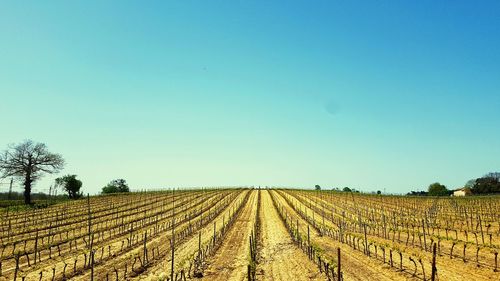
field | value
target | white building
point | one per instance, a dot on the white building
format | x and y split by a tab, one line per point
462	192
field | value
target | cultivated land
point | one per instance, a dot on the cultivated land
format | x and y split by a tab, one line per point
241	234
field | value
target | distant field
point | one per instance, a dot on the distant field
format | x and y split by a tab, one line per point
250	234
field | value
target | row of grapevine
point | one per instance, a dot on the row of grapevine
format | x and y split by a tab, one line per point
381	235
330	266
72	249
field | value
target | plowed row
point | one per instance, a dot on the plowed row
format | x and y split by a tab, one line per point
205	234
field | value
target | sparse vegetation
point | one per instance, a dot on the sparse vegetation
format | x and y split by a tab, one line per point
318	234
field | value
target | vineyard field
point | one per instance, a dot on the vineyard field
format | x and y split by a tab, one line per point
253	234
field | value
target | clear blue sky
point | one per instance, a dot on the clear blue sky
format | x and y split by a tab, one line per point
366	94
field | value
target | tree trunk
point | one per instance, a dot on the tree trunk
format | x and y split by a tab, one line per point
27	189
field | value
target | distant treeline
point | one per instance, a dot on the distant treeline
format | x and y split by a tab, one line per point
17	198
35	196
488	184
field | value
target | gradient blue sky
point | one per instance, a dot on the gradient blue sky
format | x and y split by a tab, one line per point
373	95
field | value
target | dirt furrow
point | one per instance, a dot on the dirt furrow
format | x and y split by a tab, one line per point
124	257
355	265
231	260
184	251
68	255
280	259
448	269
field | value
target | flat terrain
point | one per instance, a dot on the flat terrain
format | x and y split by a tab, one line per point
205	235
231	260
281	260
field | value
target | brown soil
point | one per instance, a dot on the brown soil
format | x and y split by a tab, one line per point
231	260
355	265
280	258
448	269
186	250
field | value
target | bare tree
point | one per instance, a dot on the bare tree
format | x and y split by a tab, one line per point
495	175
28	161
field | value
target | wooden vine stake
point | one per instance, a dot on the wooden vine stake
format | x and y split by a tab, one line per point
36	244
434	269
367	250
423	228
199	244
338	265
91	255
145	249
215	224
173	236
16	268
308	237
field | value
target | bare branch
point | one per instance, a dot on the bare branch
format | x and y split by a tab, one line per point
29	160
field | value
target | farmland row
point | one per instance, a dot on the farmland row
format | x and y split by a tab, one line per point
355	265
45	250
411	249
247	234
413	238
108	239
